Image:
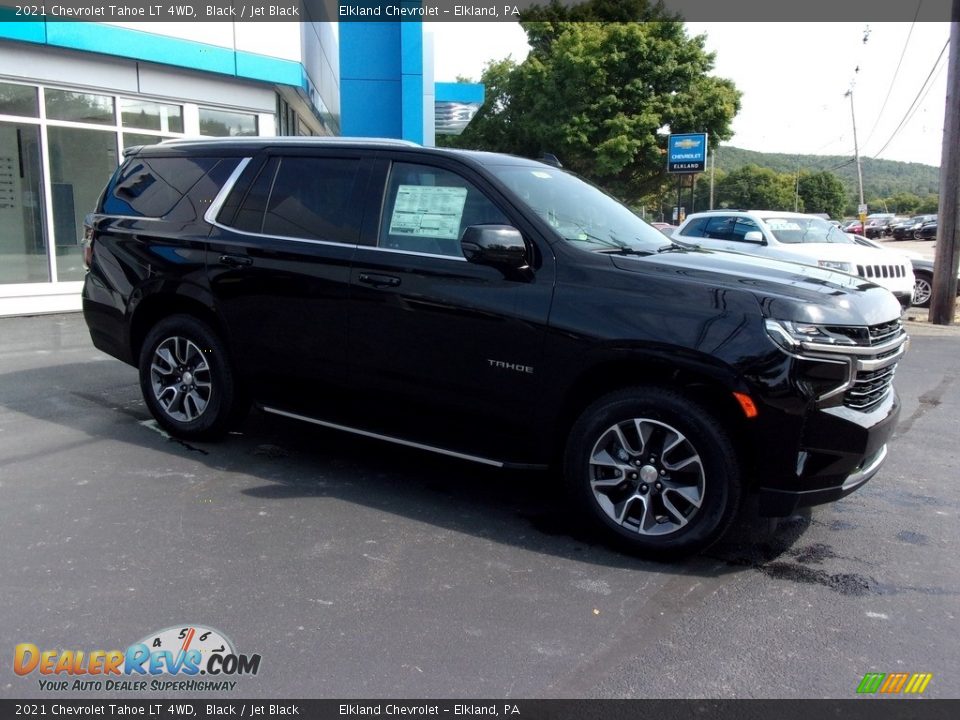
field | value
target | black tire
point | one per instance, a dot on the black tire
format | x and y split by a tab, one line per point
922	289
197	397
657	533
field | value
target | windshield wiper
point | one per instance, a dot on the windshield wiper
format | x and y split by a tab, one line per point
672	246
625	250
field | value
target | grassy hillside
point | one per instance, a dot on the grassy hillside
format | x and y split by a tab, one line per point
881	178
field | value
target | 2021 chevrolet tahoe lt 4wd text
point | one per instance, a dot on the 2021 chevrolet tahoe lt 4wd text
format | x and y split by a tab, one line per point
495	309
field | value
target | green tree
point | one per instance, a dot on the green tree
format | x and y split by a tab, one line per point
928	206
755	188
596	93
822	192
904	203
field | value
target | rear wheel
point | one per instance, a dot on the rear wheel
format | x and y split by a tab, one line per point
187	380
922	289
653	471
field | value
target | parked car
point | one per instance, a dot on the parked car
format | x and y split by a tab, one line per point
852	226
907	229
923	271
799	238
496	310
877	225
927	231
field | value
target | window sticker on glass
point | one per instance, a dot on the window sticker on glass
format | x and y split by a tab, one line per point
428	211
779	224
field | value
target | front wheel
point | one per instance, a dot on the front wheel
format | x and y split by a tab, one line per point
187	380
653	471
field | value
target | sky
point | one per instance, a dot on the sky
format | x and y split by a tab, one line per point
793	77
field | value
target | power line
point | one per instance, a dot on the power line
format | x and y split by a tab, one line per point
895	72
920	92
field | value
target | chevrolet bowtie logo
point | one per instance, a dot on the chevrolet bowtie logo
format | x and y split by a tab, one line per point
687	143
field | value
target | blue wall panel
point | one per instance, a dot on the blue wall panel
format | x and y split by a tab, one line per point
370	108
381	79
148	47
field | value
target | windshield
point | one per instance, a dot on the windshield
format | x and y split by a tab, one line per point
794	230
579	212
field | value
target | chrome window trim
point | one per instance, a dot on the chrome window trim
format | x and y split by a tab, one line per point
210	216
412	252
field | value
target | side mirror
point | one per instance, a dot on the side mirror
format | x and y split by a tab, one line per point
754	236
500	246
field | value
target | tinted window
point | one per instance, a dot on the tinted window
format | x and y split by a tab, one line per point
742	227
720	228
173	188
249	217
302	197
696	227
427	209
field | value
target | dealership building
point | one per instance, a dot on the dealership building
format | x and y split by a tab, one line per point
74	94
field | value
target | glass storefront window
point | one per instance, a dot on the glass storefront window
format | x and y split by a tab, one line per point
79	107
23	252
146	115
223	123
81	163
132	139
18	100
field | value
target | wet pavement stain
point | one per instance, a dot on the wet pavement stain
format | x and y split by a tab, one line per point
843	583
813	554
913	538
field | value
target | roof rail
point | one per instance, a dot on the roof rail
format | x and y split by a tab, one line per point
290	139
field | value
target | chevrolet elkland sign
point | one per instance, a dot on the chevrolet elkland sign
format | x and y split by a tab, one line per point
687	153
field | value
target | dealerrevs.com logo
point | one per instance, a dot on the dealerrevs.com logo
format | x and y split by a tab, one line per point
894	683
185	652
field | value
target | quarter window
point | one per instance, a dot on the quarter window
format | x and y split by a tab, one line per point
427	209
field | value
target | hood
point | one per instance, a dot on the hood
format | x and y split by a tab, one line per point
784	290
841	252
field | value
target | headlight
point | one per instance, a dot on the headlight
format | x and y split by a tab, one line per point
819	377
836	265
789	335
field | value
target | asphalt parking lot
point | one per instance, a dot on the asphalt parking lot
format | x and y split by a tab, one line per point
360	570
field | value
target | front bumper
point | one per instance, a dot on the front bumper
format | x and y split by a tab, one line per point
839	439
781	503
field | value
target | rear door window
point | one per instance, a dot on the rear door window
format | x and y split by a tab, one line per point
302	198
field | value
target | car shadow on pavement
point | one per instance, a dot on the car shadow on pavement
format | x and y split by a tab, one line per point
292	460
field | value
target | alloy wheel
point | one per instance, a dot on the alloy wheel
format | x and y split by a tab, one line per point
647	477
180	379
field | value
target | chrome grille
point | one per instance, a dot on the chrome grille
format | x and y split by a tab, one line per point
869	388
881	271
884	331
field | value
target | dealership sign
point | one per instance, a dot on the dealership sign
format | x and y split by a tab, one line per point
687	153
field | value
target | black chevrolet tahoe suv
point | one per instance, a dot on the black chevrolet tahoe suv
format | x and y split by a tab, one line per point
493	309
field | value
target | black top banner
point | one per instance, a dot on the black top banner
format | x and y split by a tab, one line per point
451	11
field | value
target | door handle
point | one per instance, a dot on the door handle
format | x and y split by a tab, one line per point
379	280
236	261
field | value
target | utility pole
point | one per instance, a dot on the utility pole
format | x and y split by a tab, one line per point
713	169
796	193
856	154
944	299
